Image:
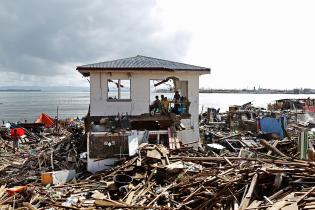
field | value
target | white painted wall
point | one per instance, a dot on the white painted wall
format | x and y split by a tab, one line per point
140	96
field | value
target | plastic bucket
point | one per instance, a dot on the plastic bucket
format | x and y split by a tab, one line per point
122	180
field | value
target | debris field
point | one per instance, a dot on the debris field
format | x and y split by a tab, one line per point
237	165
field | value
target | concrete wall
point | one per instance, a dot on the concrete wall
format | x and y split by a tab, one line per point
140	96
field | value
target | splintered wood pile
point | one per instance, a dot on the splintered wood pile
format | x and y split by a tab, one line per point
236	171
182	179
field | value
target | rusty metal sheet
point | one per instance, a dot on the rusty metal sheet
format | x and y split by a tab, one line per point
106	146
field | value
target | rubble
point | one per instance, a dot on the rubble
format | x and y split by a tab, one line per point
234	167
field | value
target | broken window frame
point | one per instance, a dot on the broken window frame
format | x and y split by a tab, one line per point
152	94
119	84
171	100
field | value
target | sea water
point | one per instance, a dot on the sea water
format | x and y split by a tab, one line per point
20	106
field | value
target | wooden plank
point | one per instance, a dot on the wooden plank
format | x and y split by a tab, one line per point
255	204
29	206
245	202
272	148
294	206
105	203
275	143
2	191
130	197
177	144
159	195
171	139
192	194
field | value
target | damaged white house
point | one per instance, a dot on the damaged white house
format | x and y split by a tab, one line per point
121	92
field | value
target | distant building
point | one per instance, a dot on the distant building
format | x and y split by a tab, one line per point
307	91
296	91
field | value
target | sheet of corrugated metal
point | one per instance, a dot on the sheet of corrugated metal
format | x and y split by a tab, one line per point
142	62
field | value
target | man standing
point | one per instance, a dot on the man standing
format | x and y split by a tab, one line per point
165	106
176	96
156	106
16	139
176	102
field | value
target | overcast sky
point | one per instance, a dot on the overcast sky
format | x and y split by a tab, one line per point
268	43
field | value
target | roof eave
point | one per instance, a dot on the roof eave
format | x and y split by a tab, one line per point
85	71
206	71
80	68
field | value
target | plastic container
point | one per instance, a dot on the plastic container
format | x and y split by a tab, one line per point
122	180
16	189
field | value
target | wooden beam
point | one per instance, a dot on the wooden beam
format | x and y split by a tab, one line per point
268	146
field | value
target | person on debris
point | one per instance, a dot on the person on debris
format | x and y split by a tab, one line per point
184	104
165	106
176	96
16	139
156	105
176	102
162	106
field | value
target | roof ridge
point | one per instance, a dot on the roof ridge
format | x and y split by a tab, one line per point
108	61
169	61
144	63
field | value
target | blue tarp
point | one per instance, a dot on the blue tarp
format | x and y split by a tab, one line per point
274	125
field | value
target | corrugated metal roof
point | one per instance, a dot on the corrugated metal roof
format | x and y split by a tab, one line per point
140	62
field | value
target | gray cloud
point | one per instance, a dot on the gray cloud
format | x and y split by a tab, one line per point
47	38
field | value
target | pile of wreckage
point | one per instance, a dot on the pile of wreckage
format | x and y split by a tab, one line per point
249	158
43	147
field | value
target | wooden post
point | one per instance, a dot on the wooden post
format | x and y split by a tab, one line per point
57	120
303	144
52	159
119	91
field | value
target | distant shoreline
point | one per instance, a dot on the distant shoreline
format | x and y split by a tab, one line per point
259	91
19	90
